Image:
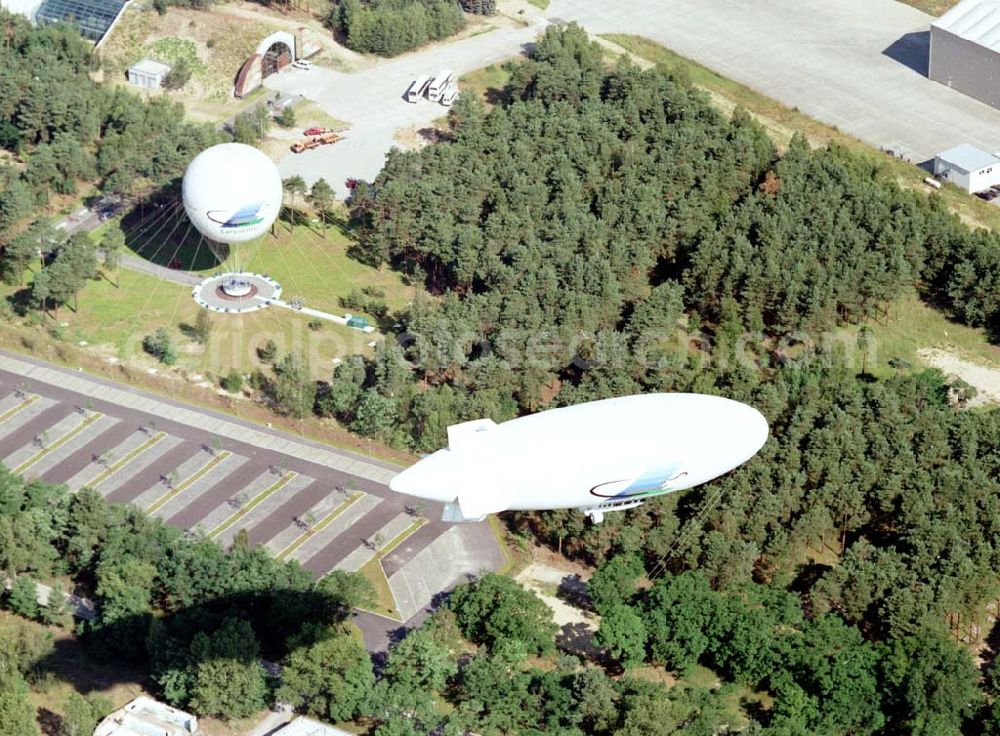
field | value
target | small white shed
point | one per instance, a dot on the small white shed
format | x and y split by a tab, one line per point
148	74
968	167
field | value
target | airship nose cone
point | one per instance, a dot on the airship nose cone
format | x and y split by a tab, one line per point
756	431
727	434
424	480
741	430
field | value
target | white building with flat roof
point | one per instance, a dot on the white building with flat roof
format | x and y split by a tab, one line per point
968	168
148	74
147	717
303	726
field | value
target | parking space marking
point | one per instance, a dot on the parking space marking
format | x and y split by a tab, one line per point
67	449
390	533
24	414
329	528
439	565
213	462
258	506
63	430
111	461
12	403
134	464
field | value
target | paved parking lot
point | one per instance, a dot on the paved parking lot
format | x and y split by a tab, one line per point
203	471
851	63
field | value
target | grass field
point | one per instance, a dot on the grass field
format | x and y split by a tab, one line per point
112	321
910	324
309	263
307	260
215	44
932	7
487	82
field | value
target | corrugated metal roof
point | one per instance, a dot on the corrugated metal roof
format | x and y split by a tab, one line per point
968	158
977	21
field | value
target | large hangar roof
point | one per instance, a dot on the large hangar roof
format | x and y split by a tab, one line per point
977	21
92	17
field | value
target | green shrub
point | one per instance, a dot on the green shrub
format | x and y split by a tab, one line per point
268	351
160	346
23	597
390	27
232	381
286	118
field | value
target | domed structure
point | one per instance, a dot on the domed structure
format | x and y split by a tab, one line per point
232	193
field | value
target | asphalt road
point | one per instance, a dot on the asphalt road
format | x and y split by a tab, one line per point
855	64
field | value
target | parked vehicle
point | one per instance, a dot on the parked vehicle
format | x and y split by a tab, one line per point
315	131
321	140
439	84
449	94
417	88
303	64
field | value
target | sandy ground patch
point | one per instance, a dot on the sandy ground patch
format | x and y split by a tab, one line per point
544	580
985	379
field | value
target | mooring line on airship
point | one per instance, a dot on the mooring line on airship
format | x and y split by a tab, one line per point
713	500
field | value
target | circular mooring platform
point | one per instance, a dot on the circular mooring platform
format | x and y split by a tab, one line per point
236	292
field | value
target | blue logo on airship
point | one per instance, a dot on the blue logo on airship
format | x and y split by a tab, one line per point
246	216
654	481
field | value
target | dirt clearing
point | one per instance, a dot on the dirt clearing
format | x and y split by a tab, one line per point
985	379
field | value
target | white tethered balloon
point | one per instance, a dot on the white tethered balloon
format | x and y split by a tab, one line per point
232	193
600	456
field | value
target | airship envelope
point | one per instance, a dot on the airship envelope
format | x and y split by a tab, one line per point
601	456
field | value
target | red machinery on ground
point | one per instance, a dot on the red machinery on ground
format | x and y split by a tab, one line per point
320	140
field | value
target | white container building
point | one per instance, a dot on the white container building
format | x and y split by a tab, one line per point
968	168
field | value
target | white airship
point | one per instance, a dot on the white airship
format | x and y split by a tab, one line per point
601	456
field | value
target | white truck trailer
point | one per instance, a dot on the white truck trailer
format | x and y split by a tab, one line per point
439	84
417	88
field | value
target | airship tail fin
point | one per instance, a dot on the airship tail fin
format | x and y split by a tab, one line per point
453	512
474	505
468	434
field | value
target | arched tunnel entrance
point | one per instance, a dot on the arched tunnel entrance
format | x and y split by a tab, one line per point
277	57
273	54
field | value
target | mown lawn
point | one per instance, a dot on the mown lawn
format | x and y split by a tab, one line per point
487	82
308	263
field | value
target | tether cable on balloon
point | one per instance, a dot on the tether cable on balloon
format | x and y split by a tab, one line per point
152	292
